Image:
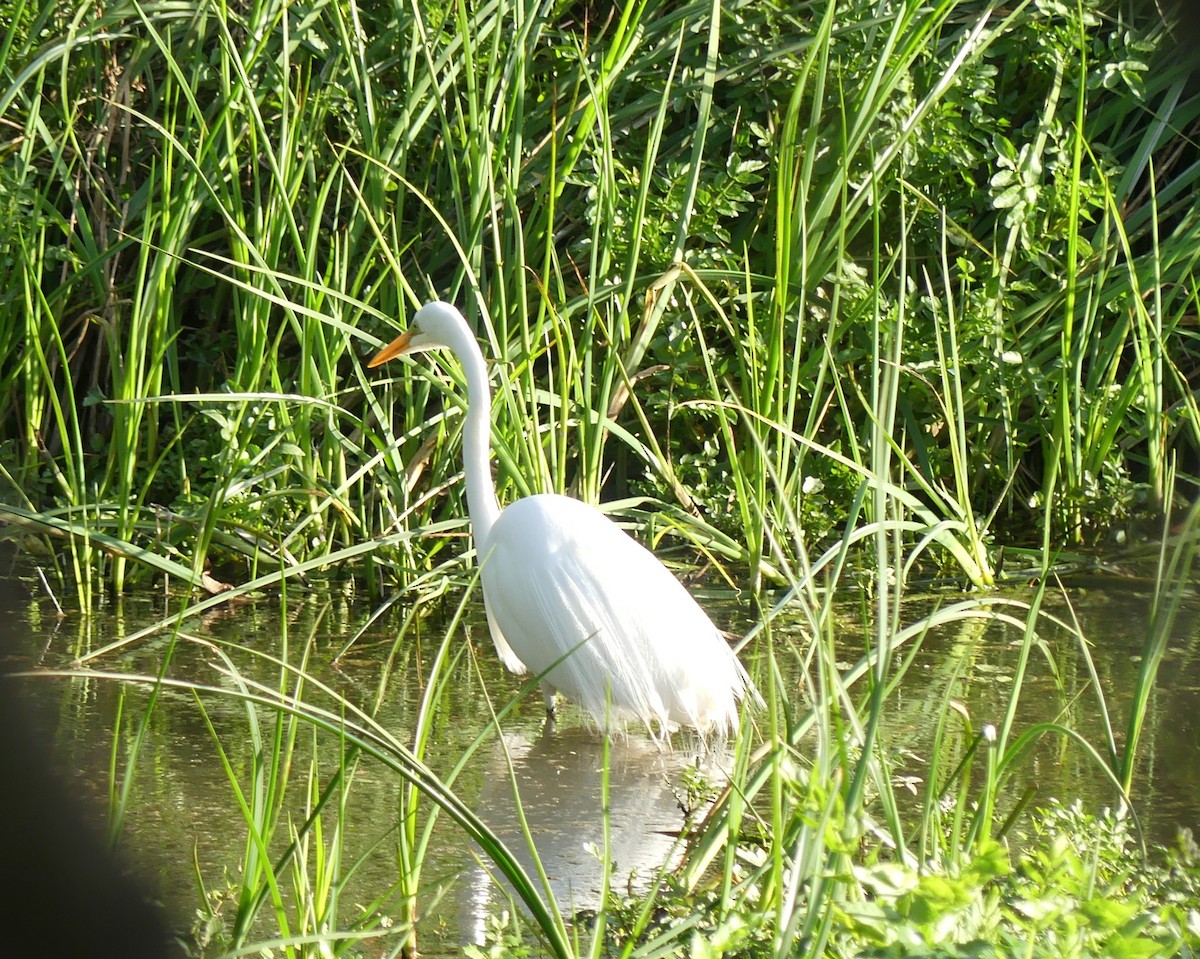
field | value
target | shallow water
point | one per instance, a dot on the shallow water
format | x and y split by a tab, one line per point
182	804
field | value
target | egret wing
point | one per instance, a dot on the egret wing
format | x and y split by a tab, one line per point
601	619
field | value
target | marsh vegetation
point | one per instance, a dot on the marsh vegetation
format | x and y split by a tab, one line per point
822	300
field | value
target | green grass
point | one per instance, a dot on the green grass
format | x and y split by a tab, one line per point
813	847
681	233
823	298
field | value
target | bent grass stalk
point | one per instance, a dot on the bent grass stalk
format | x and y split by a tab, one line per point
1173	575
261	797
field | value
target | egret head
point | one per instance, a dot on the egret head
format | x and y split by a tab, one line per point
435	325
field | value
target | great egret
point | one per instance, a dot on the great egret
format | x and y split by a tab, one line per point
573	598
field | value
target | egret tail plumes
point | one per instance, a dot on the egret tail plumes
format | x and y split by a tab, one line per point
571	597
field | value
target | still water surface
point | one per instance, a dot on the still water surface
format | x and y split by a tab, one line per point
183	809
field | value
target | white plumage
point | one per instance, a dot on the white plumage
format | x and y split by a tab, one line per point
570	596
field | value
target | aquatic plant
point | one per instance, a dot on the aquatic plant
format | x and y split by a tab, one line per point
825	297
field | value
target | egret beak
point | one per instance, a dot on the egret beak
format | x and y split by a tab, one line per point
398	346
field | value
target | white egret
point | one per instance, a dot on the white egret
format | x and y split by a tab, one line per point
573	598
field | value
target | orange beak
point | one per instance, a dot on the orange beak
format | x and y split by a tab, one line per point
398	346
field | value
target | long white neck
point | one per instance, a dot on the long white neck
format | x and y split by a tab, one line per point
482	506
